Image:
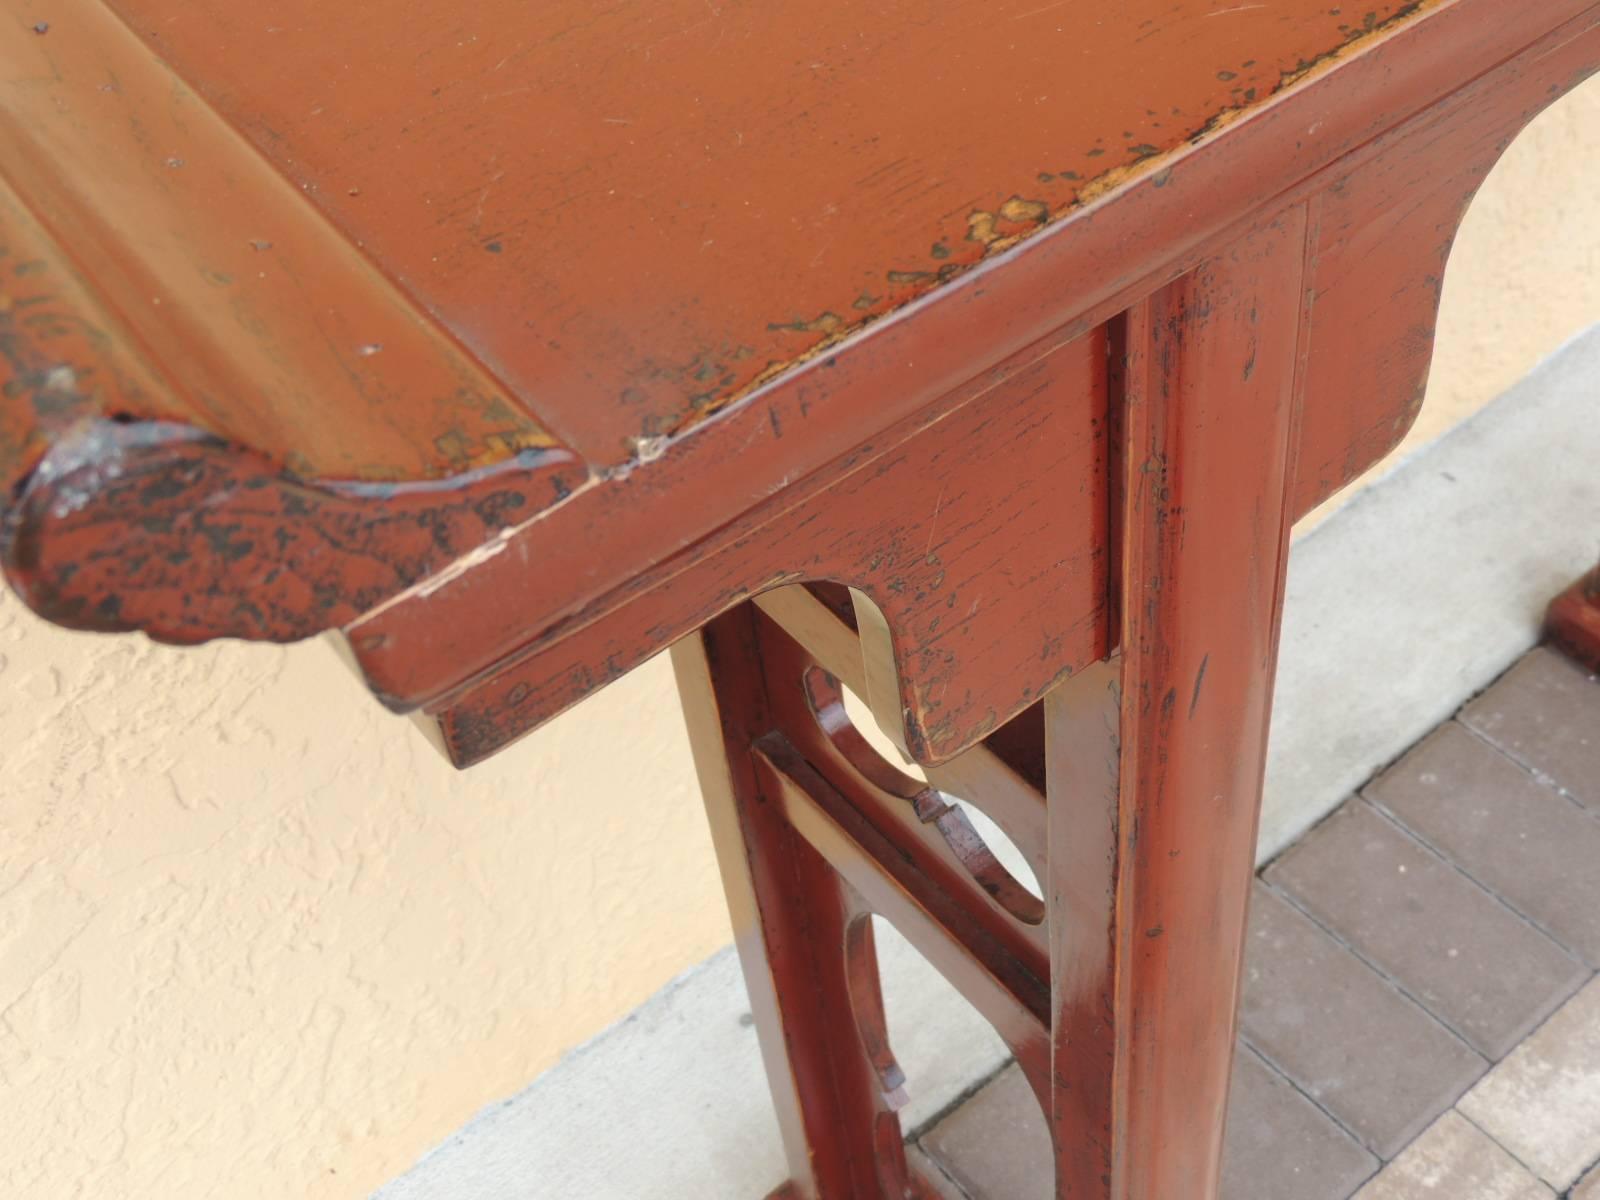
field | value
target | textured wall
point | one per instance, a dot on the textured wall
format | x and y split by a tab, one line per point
257	941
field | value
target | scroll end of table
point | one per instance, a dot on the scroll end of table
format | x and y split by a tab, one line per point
163	529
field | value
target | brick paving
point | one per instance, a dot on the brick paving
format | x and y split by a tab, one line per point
1421	1013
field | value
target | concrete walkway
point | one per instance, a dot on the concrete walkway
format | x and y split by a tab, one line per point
1421	1014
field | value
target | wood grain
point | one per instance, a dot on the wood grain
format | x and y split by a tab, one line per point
1156	758
521	342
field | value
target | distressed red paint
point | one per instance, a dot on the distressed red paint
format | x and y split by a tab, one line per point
1573	622
519	342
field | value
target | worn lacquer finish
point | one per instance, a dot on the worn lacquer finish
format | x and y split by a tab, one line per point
1156	758
975	358
1573	621
1117	993
217	417
263	325
815	834
1388	218
487	262
793	919
1015	521
1095	260
643	208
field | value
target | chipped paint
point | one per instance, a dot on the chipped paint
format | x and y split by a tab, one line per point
657	399
492	548
61	378
824	324
981	228
1025	211
648	449
163	528
985	226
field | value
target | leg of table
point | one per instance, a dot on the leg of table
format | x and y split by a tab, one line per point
1154	769
1156	757
802	936
1574	620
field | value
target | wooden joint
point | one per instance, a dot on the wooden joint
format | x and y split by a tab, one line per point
1003	774
948	926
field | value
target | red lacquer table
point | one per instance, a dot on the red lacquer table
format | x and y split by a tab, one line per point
975	358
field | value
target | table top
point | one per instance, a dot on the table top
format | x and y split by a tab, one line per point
631	213
413	281
627	215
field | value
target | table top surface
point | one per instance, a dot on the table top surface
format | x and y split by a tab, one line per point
632	212
627	215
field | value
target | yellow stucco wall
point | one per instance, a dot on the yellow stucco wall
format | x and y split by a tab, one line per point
257	941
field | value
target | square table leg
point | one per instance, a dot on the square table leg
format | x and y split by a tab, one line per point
1574	620
1156	758
1118	995
793	917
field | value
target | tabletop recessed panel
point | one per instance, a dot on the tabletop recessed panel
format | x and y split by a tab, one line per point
631	212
